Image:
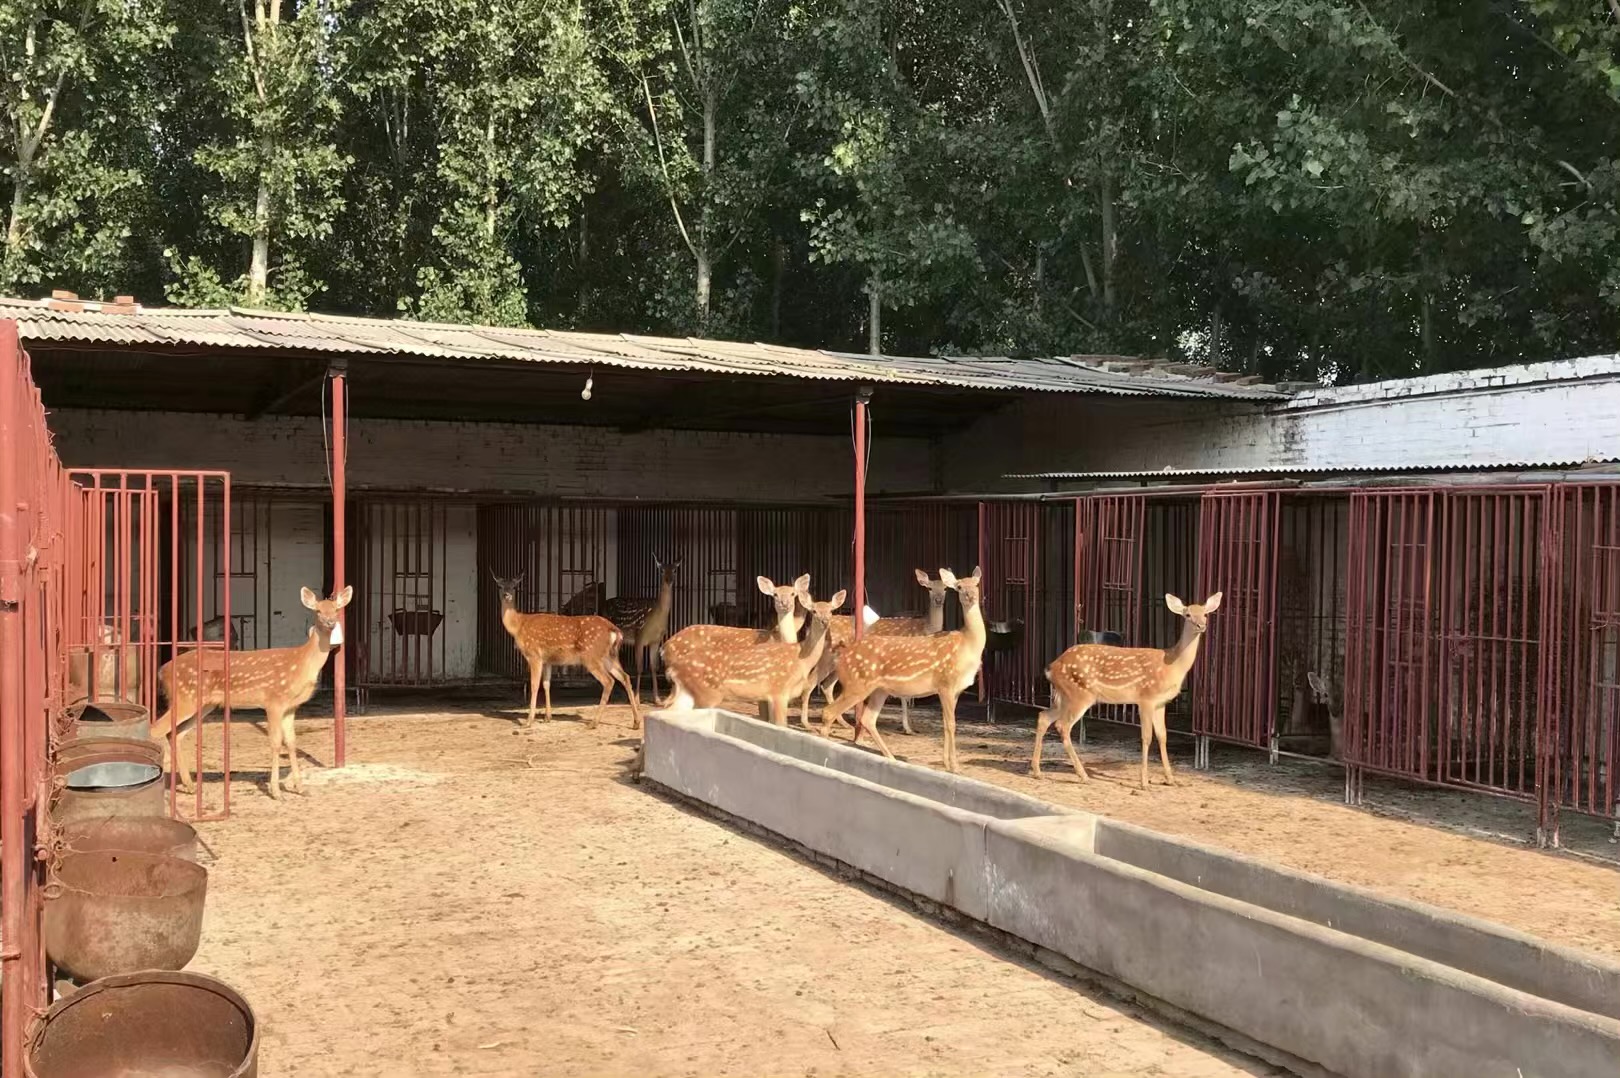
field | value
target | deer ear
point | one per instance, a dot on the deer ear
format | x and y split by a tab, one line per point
678	562
1213	603
802	584
308	598
1176	605
765	585
978	574
922	578
658	562
837	600
1316	682
948	578
342	598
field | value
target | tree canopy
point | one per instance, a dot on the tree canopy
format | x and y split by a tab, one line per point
1314	189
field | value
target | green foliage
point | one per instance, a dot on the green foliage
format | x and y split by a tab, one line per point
1299	188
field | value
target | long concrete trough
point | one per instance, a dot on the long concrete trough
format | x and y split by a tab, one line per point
1357	983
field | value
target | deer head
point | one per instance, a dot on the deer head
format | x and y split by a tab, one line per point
667	572
1196	614
821	614
507	589
328	632
966	588
784	596
937	590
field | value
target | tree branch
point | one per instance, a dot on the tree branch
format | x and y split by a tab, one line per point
663	165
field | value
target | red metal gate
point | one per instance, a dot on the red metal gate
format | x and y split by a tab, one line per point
1108	564
1580	740
1011	595
1235	678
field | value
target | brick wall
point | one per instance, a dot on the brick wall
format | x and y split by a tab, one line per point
586	462
1545	414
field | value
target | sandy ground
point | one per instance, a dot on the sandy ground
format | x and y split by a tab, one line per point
461	900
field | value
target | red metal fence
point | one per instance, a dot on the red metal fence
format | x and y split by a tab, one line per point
1235	678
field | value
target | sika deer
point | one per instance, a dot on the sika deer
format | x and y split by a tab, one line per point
696	639
547	640
934	622
645	621
276	681
1147	677
773	670
943	664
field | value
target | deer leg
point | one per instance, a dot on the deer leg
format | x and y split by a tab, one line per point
534	690
622	678
545	683
781	708
947	705
866	719
605	679
1043	722
1075	713
1144	716
1164	753
289	738
273	727
905	715
874	708
828	689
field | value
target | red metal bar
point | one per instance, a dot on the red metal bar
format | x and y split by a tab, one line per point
340	455
862	401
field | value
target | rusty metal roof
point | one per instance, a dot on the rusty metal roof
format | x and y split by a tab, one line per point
68	321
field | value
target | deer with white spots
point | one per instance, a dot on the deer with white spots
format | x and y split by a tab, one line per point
276	681
843	634
1146	677
774	670
942	665
547	640
698	640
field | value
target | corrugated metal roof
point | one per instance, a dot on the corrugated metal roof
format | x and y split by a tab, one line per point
1279	469
120	326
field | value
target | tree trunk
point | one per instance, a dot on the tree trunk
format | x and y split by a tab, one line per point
19	200
259	267
1108	239
705	268
874	318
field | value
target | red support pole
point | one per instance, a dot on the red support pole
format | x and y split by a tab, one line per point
340	455
15	856
863	400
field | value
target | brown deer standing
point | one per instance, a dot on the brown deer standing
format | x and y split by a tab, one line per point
547	640
276	681
944	664
769	669
1147	677
843	633
644	622
708	638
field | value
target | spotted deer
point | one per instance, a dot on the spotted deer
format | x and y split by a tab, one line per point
941	665
789	619
276	681
644	622
547	640
1090	674
844	633
768	669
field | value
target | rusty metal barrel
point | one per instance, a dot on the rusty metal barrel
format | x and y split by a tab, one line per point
181	1025
156	835
111	718
111	911
107	776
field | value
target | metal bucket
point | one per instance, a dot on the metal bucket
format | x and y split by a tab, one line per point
107	776
156	835
111	718
111	911
179	1025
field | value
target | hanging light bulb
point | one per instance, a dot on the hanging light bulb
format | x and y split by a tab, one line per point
585	394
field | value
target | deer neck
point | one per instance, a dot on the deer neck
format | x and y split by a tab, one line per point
1180	658
936	617
788	626
510	618
811	647
973	627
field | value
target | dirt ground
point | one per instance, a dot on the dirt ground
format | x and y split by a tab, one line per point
461	900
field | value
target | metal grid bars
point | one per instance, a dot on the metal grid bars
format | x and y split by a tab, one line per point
1234	680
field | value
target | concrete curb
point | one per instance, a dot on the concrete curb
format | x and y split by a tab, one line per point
1340	977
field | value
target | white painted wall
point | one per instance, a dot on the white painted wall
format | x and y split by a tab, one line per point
1540	414
573	462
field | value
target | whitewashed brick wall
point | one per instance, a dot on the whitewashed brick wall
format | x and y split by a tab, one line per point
1545	414
584	462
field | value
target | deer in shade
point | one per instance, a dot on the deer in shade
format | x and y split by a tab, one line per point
276	681
644	622
1149	678
548	640
942	665
843	633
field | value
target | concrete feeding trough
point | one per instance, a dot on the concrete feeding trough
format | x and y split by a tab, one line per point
1355	982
